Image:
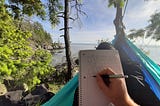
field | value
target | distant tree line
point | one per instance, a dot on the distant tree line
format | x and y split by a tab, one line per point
39	35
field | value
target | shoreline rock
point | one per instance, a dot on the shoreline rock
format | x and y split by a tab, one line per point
39	95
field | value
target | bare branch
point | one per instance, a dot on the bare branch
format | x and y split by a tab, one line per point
78	7
60	13
61	36
72	18
64	28
61	16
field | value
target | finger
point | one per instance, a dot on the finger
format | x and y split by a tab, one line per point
106	71
101	83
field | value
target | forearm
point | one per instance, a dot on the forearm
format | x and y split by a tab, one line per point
126	102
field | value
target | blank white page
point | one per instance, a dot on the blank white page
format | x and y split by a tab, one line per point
92	61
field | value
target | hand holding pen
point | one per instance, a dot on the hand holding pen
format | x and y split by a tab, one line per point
116	91
106	77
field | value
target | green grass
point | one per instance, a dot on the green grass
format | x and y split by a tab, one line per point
55	87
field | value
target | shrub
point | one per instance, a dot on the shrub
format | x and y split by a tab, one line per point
17	59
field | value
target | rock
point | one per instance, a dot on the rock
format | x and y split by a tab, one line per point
49	47
36	96
39	96
12	86
3	89
77	61
31	100
12	98
46	97
5	102
40	90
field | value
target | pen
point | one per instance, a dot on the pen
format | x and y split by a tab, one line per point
114	76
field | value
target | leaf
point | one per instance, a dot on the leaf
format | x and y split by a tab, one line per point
121	3
111	3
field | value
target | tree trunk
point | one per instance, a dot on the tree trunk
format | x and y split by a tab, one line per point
67	40
118	21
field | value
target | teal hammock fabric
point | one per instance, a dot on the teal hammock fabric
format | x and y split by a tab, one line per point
66	95
150	69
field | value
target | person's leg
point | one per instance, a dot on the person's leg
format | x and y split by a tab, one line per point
138	89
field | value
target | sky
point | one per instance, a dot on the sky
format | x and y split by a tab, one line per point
98	24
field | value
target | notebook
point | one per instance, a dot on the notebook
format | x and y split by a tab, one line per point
92	61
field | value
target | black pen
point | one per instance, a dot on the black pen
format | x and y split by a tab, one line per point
114	76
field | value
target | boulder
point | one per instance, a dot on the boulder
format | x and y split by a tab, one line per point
12	98
38	96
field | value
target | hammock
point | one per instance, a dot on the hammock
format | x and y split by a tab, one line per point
151	72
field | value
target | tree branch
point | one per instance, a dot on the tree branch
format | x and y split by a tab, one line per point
64	28
77	6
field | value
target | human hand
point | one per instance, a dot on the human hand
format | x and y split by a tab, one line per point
116	90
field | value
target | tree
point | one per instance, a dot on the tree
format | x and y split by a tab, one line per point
39	35
18	8
55	8
18	60
136	33
67	39
47	9
118	21
151	30
77	6
154	27
51	10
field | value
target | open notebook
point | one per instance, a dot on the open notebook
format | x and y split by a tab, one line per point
92	61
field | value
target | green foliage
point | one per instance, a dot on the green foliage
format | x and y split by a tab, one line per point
46	9
55	87
29	7
136	33
154	27
54	7
38	67
39	35
116	2
17	59
152	30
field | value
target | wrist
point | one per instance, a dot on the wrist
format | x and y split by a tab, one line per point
127	101
130	102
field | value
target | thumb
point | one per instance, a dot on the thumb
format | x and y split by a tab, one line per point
101	83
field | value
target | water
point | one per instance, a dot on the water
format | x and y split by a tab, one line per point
152	51
75	48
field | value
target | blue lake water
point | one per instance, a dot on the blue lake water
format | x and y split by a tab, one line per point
152	51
